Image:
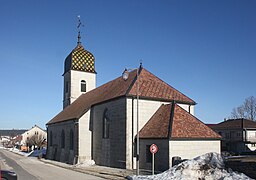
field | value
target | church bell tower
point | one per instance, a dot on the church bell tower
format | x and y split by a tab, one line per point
79	72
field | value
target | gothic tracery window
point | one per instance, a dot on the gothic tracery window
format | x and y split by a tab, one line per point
62	139
106	124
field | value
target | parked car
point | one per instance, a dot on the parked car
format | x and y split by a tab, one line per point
8	175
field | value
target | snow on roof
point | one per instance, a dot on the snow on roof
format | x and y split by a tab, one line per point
209	166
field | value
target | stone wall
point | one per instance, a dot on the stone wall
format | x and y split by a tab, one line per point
161	157
109	151
54	148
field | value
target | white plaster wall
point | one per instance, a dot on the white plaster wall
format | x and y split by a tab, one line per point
188	108
31	132
251	135
85	137
188	149
74	79
146	109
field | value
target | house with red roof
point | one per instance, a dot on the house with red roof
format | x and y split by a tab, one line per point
238	135
100	123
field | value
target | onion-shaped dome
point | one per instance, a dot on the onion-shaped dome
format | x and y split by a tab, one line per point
80	59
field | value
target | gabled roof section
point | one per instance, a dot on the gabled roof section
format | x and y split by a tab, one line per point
150	87
173	122
234	124
158	125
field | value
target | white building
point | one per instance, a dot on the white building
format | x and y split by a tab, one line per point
34	131
100	123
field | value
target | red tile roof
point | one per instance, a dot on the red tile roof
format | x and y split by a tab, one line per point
176	123
151	87
234	124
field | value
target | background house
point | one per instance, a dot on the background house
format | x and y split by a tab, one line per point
238	135
33	138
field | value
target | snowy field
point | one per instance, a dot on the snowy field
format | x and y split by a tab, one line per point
206	167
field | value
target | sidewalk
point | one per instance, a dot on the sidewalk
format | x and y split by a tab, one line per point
100	171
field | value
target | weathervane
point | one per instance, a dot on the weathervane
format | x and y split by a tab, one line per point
78	29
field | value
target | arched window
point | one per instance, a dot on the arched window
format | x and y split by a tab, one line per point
50	138
106	124
62	139
83	86
71	139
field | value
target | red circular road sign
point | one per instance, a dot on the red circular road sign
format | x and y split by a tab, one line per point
153	148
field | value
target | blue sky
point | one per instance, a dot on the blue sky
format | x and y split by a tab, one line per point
203	48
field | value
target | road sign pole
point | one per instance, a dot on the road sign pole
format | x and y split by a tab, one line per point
153	149
153	163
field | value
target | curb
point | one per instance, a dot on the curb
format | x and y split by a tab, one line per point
90	172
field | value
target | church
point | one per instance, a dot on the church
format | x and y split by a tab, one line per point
100	123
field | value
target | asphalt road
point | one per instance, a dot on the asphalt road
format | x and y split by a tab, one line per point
28	168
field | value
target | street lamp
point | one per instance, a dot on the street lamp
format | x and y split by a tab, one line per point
125	76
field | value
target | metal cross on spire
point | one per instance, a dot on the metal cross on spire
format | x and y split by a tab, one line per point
78	29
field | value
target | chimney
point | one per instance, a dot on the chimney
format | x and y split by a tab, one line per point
242	123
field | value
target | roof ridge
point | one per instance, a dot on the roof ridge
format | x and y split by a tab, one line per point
171	119
134	80
179	96
171	86
191	115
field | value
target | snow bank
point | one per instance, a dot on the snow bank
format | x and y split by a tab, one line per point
209	166
17	151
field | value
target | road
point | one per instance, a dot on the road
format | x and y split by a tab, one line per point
33	169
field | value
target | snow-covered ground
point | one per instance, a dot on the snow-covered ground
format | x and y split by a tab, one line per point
85	164
17	151
206	167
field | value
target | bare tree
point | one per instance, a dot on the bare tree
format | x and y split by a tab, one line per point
246	110
250	107
36	140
